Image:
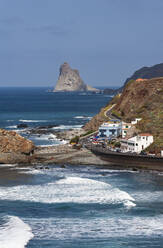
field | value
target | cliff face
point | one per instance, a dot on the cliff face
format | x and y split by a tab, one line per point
14	148
142	99
70	80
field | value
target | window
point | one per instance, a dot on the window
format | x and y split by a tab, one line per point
136	144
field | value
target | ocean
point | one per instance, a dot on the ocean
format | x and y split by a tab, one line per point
76	206
37	107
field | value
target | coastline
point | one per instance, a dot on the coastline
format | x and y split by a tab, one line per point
66	154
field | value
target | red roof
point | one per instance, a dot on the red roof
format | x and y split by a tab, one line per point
145	134
139	79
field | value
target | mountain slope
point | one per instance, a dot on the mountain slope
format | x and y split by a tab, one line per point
142	99
147	72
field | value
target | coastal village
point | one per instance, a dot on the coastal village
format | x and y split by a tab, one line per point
120	133
128	127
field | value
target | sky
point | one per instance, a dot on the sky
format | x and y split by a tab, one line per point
106	40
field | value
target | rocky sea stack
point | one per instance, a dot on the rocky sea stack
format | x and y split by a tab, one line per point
70	80
14	149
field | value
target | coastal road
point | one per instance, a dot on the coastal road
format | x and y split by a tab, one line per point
107	113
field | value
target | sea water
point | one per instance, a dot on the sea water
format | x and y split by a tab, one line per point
75	206
80	206
37	107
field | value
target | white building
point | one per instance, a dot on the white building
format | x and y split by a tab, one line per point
110	129
137	143
126	126
134	122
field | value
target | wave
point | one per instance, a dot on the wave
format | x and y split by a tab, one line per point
8	165
83	117
45	137
14	126
14	233
69	190
107	227
32	120
67	127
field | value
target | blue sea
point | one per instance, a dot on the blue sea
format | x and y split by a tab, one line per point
76	206
37	107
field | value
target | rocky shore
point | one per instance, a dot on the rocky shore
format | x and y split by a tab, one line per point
15	149
66	154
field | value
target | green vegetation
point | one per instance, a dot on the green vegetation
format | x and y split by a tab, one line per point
116	114
87	133
130	82
74	140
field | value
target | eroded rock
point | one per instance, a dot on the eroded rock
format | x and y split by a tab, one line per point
14	148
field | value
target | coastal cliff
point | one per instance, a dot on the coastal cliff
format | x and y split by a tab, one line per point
139	98
70	80
14	148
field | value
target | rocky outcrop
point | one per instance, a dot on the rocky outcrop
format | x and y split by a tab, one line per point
70	80
14	148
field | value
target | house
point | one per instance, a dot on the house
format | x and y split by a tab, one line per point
110	129
135	121
137	143
126	126
140	79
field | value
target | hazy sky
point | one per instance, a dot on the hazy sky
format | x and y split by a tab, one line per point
106	40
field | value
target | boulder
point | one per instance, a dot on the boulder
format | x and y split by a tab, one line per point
14	148
22	125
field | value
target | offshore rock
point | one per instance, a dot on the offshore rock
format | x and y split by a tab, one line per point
70	80
14	148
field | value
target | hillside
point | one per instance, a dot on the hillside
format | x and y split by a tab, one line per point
142	99
147	72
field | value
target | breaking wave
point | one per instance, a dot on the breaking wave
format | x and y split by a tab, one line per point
83	117
14	233
67	127
32	120
69	190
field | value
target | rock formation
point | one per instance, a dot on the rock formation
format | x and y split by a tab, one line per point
14	148
70	80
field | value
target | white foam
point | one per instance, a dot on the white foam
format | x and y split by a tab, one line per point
14	126
67	127
7	165
99	227
83	117
45	137
15	233
68	190
33	120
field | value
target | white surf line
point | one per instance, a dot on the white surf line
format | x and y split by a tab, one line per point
15	233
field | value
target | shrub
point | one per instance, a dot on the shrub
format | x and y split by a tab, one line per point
74	140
